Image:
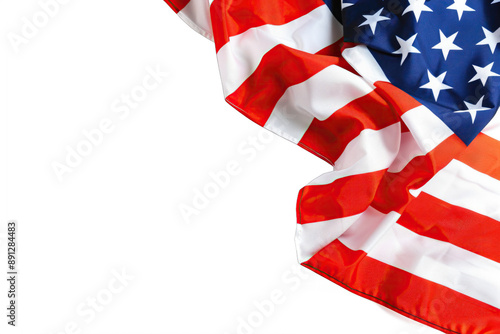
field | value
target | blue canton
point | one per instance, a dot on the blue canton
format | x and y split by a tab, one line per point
444	53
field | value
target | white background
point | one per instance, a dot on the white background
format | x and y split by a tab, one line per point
118	210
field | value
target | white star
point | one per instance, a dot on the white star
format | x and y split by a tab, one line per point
491	39
472	109
446	44
495	1
483	73
347	4
460	7
406	47
436	84
372	20
417	7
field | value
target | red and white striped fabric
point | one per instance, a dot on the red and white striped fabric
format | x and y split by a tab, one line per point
409	217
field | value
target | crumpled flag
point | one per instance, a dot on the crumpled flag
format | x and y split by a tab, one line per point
401	98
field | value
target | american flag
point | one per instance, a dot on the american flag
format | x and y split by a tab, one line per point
401	98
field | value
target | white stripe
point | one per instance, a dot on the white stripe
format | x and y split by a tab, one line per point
427	129
371	151
368	229
493	127
437	261
239	58
312	237
461	185
197	15
415	192
317	97
408	150
361	59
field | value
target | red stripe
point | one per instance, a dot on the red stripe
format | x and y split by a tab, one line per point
414	297
434	218
344	197
279	69
400	101
328	139
177	5
334	50
393	191
383	190
233	17
482	155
